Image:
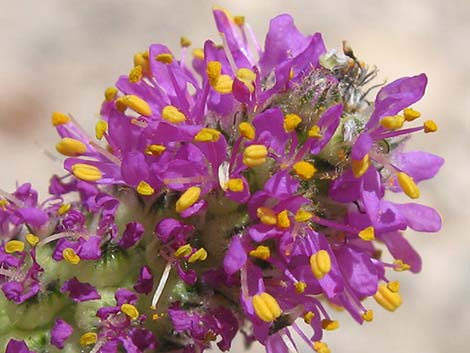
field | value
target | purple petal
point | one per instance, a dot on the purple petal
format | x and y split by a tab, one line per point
270	130
60	332
144	339
419	165
134	168
144	283
125	296
328	124
362	146
17	292
132	234
401	249
15	346
78	291
419	217
396	96
33	216
235	257
90	248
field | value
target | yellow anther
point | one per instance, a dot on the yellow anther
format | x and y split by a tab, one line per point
14	246
393	122
261	252
283	220
155	317
411	114
214	71
70	147
63	209
173	115
394	286
255	155
266	307
303	216
142	60
32	239
3	204
266	216
308	317
247	130
110	93
400	266
235	185
199	255
188	198
368	315
247	76
198	53
130	310
430	126
359	167
183	251
320	263
145	189
408	185
88	338
135	103
224	84
58	118
321	347
300	287
315	132
387	299
135	74
71	256
291	73
367	234
86	172
165	58
155	150
185	42
304	170
101	128
291	121
207	135
329	325
239	20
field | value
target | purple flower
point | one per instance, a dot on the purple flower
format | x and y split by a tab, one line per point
15	346
60	332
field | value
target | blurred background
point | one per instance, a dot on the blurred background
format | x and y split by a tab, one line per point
61	55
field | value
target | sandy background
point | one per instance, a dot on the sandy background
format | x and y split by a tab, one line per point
60	55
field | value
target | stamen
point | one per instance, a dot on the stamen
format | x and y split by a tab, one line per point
235	185
359	167
368	316
247	130
173	115
254	155
239	20
291	121
304	170
88	338
394	286
71	256
105	153
329	325
207	135
261	252
303	216
198	53
283	220
315	132
145	189
408	185
135	75
155	150
266	216
266	307
59	119
32	239
161	286
308	317
130	310
14	246
86	172
110	93
394	122
321	347
400	266
300	287
165	58
221	83
188	198
387	299
135	103
101	128
183	251
70	147
247	76
411	114
185	42
64	209
320	264
367	234
430	126
199	255
142	60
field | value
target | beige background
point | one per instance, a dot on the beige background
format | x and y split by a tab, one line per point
60	55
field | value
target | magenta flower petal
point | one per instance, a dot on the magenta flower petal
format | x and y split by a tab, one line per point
235	257
78	291
60	332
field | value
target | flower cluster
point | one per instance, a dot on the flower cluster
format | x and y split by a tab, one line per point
242	193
